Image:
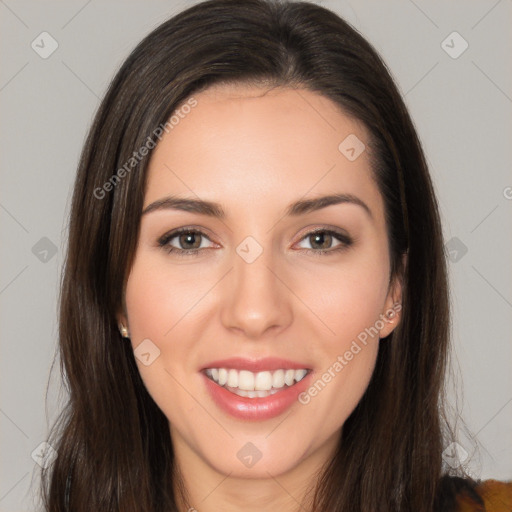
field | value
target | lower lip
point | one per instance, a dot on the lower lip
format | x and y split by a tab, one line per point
255	409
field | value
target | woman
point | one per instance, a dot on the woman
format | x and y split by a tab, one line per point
254	310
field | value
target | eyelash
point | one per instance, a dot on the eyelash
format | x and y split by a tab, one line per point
163	242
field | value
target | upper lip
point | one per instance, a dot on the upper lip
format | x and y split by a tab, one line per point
256	365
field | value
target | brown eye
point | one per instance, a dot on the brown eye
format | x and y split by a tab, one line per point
321	240
186	242
190	240
324	241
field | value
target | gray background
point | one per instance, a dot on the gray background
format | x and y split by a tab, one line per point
461	107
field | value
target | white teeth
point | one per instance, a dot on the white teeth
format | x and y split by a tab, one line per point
232	379
223	376
253	394
258	384
278	379
289	377
245	380
263	381
300	374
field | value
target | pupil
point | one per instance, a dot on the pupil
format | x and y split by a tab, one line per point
323	239
188	238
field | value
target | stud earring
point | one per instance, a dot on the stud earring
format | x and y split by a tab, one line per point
391	313
124	331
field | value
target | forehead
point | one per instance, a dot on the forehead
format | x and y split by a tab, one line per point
249	146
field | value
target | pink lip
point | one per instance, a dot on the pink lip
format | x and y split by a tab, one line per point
254	409
256	365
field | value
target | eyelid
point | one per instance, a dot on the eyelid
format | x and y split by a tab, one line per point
344	239
163	241
325	229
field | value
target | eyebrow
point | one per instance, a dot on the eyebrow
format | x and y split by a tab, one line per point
212	209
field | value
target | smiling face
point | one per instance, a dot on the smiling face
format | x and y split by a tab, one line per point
255	278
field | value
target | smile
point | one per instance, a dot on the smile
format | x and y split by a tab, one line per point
255	385
255	389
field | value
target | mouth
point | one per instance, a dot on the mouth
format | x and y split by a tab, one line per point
262	384
255	389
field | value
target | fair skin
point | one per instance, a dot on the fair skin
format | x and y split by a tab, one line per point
255	151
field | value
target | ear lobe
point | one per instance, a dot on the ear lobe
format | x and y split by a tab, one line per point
391	316
390	319
122	325
121	318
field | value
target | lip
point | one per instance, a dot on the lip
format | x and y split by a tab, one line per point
256	365
255	409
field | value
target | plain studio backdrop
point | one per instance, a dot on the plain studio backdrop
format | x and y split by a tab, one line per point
451	62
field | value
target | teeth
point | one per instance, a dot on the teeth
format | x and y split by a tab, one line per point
289	377
223	376
232	379
245	380
253	394
278	379
263	381
255	384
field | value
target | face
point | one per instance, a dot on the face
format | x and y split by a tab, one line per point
285	302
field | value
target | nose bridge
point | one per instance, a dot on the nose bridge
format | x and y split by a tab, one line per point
256	299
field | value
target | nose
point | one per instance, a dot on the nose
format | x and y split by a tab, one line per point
256	299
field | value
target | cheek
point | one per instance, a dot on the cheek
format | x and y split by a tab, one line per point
347	297
348	300
349	305
158	297
160	306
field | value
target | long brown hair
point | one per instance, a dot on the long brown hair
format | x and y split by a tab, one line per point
113	442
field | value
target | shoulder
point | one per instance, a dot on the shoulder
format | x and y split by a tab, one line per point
486	496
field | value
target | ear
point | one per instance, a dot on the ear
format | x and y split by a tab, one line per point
392	312
122	322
